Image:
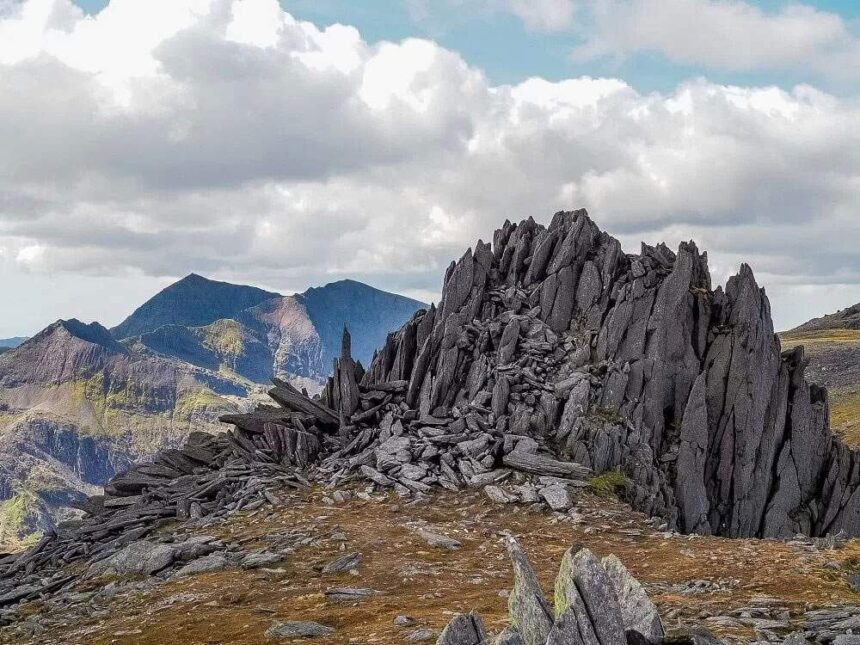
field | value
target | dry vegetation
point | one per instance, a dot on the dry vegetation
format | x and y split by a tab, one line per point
430	585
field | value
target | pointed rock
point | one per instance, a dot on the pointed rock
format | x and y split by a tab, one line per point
529	611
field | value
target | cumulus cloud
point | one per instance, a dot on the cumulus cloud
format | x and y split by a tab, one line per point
226	137
723	34
544	15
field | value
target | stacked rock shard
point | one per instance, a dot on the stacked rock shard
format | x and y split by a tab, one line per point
554	346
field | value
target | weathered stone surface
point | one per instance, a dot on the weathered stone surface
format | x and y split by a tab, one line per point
348	594
565	631
206	564
581	577
557	496
438	541
529	610
142	557
464	629
637	610
343	564
299	629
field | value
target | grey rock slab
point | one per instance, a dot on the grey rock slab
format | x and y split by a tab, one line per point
141	557
464	629
499	495
557	496
260	559
349	594
438	541
637	610
581	576
206	564
421	635
565	631
299	629
847	639
529	611
510	636
344	563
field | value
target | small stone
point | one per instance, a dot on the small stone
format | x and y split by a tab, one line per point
299	629
206	564
344	563
557	497
499	495
348	594
438	541
260	559
404	621
420	635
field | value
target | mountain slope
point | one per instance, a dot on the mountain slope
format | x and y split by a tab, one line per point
76	406
9	343
193	301
370	314
290	337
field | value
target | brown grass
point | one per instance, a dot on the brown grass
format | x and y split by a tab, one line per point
792	339
237	607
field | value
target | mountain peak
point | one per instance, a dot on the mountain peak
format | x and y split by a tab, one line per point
360	305
93	333
193	301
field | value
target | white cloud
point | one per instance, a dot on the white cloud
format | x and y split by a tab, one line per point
544	15
249	145
723	34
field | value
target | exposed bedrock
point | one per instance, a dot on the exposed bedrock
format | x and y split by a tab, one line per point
647	370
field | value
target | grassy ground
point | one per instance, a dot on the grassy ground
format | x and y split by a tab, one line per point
430	585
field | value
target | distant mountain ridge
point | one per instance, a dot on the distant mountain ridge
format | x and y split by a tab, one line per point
848	318
10	343
193	301
78	402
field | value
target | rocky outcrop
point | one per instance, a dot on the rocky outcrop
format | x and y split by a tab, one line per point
553	354
594	605
627	362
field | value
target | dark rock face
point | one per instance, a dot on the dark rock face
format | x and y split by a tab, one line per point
194	301
681	387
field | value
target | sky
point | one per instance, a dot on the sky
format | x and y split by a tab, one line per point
289	144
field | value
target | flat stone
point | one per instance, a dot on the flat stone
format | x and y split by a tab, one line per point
557	496
299	629
349	594
421	635
499	495
141	557
260	559
438	541
206	564
344	563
